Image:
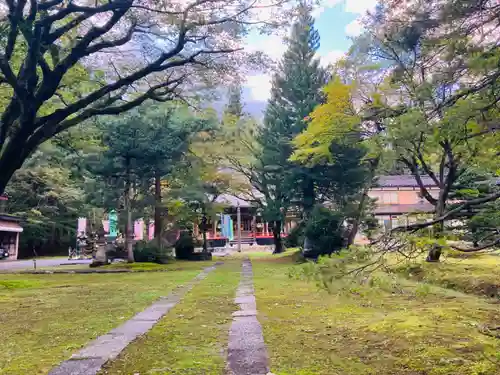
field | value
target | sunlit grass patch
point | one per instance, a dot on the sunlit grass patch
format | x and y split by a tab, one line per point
46	318
192	338
390	325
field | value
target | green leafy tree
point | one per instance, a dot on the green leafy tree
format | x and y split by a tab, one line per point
435	107
332	145
64	62
142	148
483	220
296	90
49	194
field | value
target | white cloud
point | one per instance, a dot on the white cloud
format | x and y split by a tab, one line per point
331	3
260	86
351	6
332	57
272	45
318	9
360	6
355	28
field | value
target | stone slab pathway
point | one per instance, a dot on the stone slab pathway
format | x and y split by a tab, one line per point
247	353
90	359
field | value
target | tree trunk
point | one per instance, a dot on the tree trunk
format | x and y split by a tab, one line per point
309	195
205	248
128	210
362	203
309	199
357	219
438	229
434	253
278	243
158	218
9	163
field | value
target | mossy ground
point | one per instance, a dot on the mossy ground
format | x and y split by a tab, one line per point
173	266
192	338
46	318
473	274
406	323
393	326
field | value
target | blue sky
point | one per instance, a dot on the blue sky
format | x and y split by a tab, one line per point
336	21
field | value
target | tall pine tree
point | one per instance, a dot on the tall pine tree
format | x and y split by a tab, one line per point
296	91
235	105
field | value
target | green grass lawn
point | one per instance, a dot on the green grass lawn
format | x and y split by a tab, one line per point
46	318
436	321
192	338
143	266
403	328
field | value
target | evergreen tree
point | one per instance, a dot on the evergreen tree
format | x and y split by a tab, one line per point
235	105
296	90
142	148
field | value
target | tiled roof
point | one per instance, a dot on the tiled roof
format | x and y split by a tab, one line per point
408	181
402	181
10	218
232	201
6	226
423	207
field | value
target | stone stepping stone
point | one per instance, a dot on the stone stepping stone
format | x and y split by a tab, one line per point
91	359
247	353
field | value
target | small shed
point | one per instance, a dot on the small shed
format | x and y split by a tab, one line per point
10	230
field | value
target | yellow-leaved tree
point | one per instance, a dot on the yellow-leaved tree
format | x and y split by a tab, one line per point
331	122
334	136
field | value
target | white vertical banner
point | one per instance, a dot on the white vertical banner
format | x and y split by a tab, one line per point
82	225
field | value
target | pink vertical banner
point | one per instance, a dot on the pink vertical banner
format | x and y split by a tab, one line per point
105	226
82	225
151	230
139	230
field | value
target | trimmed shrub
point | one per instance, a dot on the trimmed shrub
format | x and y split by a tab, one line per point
326	232
145	251
184	247
296	236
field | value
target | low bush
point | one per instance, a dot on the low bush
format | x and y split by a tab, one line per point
184	246
296	236
145	251
116	252
337	271
325	229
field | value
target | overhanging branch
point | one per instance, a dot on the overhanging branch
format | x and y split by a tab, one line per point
448	215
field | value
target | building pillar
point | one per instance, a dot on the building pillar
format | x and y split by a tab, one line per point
238	221
16	250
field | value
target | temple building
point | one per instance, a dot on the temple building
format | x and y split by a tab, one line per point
253	227
396	197
399	195
10	230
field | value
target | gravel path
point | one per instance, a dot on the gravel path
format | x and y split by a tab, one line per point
247	354
11	265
